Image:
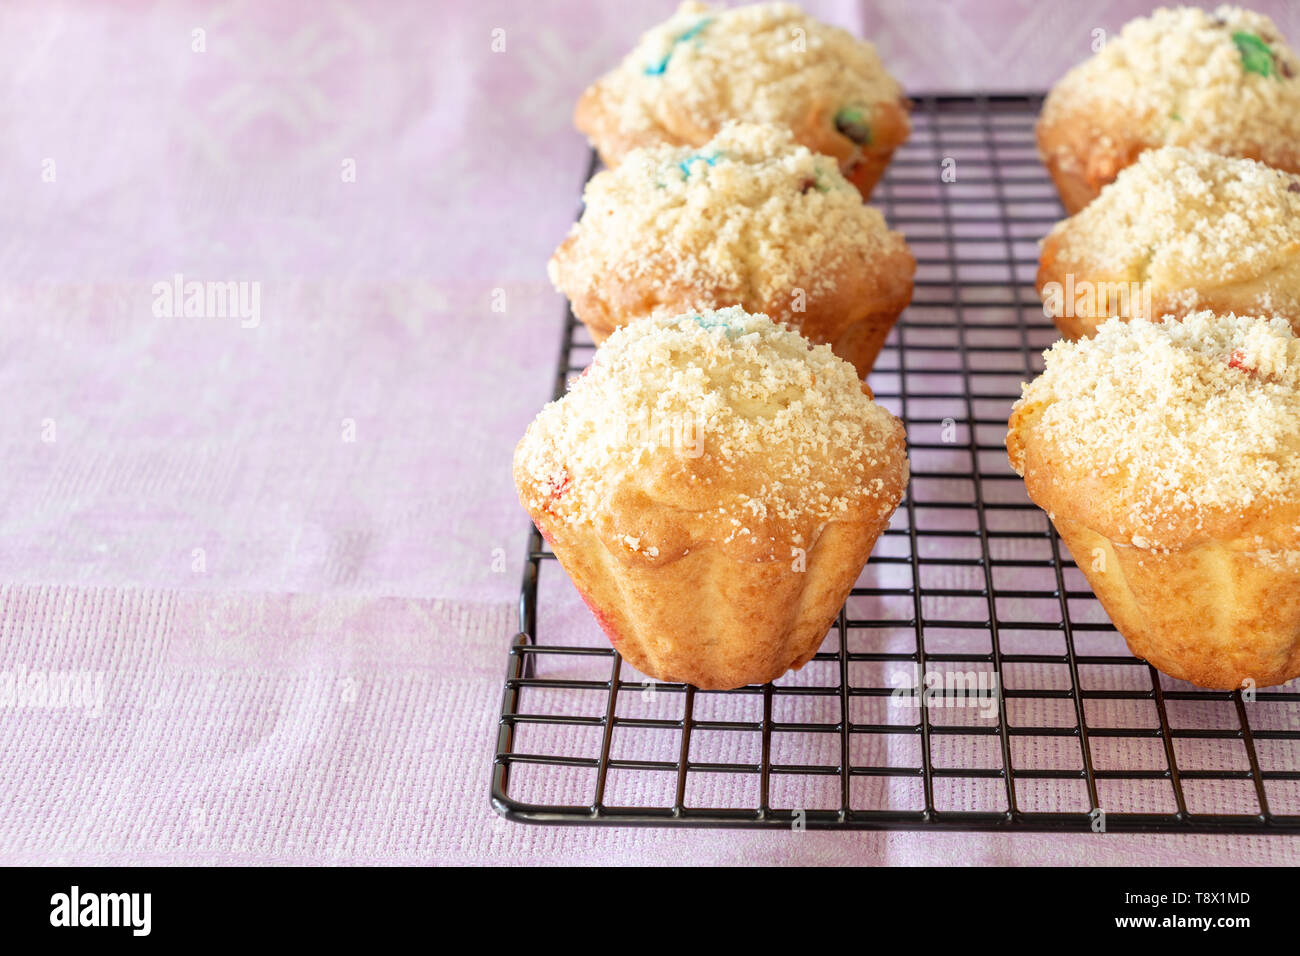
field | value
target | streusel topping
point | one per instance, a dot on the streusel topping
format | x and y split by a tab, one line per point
749	400
751	215
1178	215
1225	81
766	63
1202	413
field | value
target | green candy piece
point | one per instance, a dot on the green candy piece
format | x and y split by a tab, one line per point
814	182
852	123
1256	57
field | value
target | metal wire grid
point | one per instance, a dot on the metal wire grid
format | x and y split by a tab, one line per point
970	575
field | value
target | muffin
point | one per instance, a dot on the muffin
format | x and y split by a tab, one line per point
767	63
713	485
1179	231
1167	454
751	219
1225	82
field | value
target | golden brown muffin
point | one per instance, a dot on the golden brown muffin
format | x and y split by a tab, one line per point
1179	231
713	485
767	63
1167	454
751	219
1225	82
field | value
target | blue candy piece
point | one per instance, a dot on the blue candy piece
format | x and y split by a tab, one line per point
713	323
659	66
709	159
694	31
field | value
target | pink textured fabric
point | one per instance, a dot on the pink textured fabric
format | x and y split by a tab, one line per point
282	552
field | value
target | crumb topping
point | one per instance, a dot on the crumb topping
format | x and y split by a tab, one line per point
768	63
1198	414
1225	81
1177	216
748	217
782	429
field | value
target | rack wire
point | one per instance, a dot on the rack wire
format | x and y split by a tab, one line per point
1070	732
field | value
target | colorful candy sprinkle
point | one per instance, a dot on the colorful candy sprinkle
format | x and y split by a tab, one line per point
658	67
852	123
711	323
559	485
1256	56
1237	360
709	159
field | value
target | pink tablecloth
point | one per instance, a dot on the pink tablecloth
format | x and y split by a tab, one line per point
277	551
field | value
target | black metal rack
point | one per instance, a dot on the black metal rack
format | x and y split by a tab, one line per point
970	577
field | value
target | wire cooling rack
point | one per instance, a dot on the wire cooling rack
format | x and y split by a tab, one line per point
1041	719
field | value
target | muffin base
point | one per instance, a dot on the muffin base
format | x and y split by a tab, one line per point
1079	182
860	342
1244	629
1080	158
1083	160
854	318
711	620
869	169
597	117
